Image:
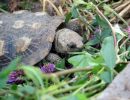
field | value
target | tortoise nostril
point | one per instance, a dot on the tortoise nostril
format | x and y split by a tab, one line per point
72	45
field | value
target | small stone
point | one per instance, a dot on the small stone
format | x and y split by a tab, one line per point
74	25
53	58
67	40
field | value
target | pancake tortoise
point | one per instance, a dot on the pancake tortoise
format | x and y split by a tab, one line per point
26	34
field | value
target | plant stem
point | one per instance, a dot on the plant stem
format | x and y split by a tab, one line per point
57	11
53	88
68	71
110	9
11	92
2	10
44	5
83	86
122	13
122	6
94	92
117	3
102	84
65	90
124	42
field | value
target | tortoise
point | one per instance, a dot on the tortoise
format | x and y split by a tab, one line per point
26	34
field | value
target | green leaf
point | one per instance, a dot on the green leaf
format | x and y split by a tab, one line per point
75	97
34	74
99	59
9	97
48	97
60	64
89	6
105	33
106	76
68	17
26	89
108	52
96	69
78	2
14	87
74	11
105	29
101	22
3	82
82	60
93	42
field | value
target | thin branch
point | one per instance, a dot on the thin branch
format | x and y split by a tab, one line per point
68	71
57	11
122	13
2	10
122	6
117	3
124	42
44	5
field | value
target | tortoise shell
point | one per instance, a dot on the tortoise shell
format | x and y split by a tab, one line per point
26	34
